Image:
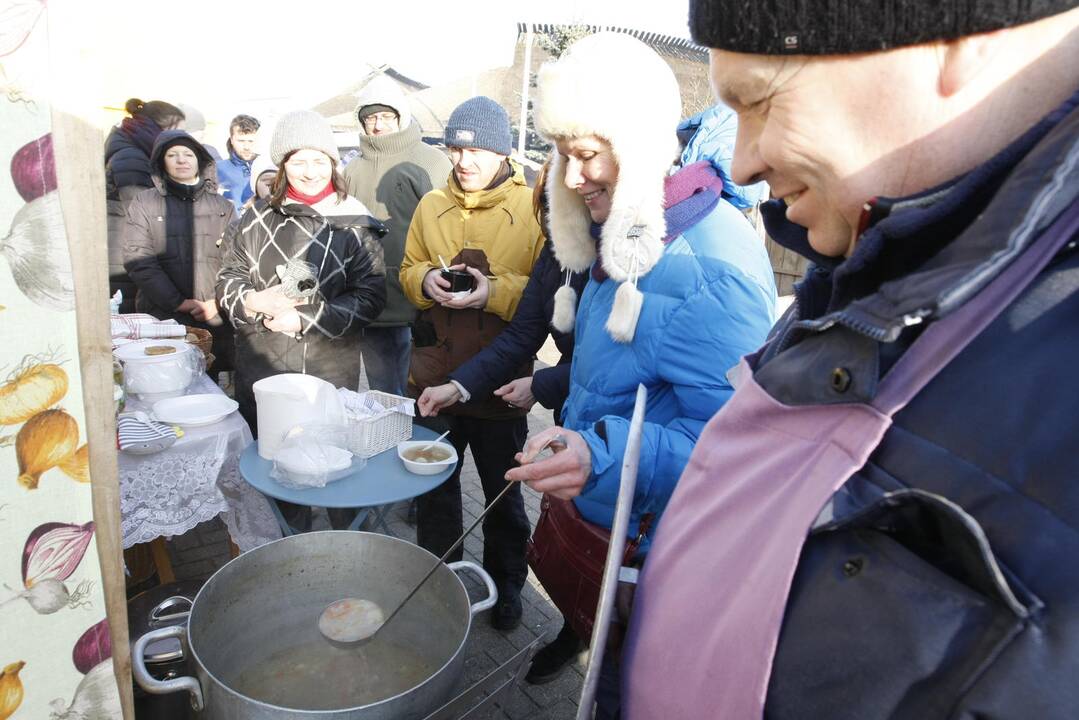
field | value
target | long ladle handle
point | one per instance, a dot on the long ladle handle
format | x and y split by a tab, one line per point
490	506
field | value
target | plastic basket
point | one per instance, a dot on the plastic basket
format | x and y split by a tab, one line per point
371	435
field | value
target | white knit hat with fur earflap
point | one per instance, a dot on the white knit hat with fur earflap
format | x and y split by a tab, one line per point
613	86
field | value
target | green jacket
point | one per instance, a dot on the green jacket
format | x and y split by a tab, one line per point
390	176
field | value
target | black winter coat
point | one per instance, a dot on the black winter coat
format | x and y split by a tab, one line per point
351	290
519	342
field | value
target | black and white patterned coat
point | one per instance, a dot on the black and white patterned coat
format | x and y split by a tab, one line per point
341	239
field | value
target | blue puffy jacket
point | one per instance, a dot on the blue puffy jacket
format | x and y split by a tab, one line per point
709	135
709	300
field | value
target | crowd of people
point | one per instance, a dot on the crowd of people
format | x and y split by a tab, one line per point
861	510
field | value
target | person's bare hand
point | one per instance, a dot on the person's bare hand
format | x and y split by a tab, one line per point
271	301
518	393
287	322
437	287
475	299
188	306
564	473
205	311
435	398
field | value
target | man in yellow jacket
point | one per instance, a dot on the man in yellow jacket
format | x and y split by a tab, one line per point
480	223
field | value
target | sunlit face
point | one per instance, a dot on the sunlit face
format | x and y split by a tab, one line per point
381	123
244	144
264	184
475	169
592	171
830	133
182	165
309	171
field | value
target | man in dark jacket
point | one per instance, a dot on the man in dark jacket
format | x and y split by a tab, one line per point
234	172
925	159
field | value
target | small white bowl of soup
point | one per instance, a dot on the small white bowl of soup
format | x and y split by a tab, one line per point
435	459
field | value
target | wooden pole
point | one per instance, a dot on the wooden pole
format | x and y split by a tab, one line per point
80	175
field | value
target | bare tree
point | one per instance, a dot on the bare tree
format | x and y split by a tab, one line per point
557	40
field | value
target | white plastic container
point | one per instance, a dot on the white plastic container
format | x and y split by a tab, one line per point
284	401
156	377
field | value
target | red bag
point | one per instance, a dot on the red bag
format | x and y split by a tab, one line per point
567	553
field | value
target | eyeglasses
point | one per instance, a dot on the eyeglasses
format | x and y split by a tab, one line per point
383	118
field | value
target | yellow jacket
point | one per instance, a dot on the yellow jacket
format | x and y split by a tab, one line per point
492	230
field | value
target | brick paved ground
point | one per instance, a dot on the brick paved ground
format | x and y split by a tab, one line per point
197	554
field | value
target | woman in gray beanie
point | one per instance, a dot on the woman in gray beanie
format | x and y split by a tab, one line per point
309	225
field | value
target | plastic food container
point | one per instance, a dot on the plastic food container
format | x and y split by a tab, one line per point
406	451
158	376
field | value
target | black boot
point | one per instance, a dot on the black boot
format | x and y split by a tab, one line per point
507	612
554	657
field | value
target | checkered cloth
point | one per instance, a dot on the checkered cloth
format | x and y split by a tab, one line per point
140	326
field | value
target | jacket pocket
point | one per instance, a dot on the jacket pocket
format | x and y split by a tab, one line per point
895	612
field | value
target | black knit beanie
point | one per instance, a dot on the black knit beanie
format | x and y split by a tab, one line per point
839	27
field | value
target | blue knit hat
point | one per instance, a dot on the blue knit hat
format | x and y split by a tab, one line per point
481	123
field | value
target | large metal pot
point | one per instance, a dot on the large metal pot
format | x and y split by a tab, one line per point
262	609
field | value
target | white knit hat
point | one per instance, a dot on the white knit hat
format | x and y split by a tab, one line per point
261	164
383	90
615	87
302	130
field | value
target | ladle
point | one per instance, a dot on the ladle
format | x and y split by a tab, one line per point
351	621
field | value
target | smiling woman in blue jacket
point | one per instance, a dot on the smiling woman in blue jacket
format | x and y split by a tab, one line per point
680	285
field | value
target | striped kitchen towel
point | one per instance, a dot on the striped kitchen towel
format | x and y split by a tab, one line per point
137	433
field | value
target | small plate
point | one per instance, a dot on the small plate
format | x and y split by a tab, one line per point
194	410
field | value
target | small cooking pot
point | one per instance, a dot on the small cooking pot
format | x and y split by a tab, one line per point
253	636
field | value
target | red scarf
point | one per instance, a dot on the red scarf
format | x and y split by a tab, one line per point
310	199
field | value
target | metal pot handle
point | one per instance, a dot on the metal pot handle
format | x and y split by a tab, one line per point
492	591
162	687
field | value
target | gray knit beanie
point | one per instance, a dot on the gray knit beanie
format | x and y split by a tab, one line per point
825	27
481	123
302	130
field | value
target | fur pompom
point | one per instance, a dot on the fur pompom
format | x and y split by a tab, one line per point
622	323
565	309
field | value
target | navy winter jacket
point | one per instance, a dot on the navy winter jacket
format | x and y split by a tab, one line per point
496	364
127	154
897	609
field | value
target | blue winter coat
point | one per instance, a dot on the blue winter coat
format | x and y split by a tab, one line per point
709	300
710	135
234	179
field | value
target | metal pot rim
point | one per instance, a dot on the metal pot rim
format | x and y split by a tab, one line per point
228	688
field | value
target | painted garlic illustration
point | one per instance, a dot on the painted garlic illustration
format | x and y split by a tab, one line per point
36	249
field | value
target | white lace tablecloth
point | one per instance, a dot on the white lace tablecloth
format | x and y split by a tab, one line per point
198	478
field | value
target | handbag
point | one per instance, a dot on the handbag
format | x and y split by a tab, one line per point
568	554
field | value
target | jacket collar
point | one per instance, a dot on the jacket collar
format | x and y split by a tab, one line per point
922	256
391	144
236	159
480	199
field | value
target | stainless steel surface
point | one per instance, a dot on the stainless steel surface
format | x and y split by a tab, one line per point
492	688
267	598
161	687
626	487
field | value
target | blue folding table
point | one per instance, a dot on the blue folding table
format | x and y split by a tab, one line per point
372	488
